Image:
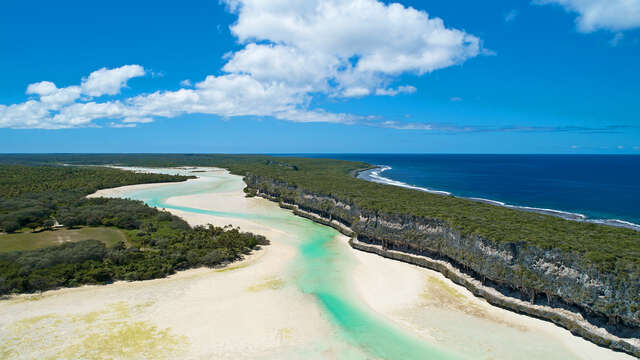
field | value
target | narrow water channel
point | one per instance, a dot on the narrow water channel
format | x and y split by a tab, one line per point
320	269
446	325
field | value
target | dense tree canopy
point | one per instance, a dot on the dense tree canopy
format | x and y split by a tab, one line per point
32	196
613	249
163	250
158	243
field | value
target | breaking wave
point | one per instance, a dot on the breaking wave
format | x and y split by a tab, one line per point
374	175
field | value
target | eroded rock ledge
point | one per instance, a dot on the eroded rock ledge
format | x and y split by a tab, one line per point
551	285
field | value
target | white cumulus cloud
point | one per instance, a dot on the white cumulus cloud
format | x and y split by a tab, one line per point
613	15
42	88
356	91
403	89
291	52
356	44
308	71
121	125
110	81
61	97
138	120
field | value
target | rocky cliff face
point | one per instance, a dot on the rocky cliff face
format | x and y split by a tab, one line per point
546	277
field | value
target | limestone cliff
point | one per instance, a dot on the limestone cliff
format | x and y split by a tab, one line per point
545	279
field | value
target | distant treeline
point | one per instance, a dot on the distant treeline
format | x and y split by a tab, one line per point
158	243
33	196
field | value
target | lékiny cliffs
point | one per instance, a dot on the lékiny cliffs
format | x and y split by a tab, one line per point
594	298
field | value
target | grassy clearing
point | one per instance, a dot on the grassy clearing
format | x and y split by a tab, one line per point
32	241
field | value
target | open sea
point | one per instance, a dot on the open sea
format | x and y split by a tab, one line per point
596	188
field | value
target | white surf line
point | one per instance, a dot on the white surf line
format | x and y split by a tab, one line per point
374	176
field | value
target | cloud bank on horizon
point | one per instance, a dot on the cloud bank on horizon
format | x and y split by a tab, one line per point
292	53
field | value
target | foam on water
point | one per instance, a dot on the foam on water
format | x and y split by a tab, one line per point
374	175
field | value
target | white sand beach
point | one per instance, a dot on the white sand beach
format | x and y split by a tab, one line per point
243	311
430	304
252	310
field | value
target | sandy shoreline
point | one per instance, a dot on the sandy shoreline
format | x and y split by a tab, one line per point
255	311
402	292
120	191
244	311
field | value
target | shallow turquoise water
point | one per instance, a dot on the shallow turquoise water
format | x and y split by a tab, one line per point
320	269
323	269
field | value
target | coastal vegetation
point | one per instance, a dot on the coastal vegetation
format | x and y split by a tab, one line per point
34	197
163	250
154	243
609	248
586	267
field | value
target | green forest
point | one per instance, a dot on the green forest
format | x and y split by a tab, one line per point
33	196
158	243
609	248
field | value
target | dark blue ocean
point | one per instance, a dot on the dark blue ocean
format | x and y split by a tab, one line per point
596	186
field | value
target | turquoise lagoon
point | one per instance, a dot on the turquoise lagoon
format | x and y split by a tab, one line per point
322	269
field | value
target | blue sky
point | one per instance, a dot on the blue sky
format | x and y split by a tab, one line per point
551	76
